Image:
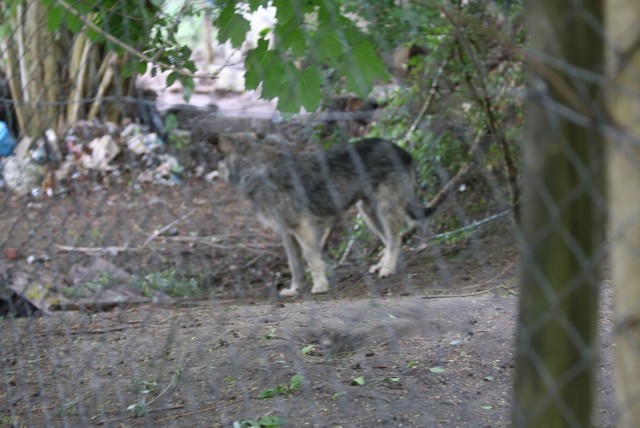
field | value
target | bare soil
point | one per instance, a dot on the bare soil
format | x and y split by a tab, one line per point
429	346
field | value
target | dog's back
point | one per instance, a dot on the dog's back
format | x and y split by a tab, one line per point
322	183
331	181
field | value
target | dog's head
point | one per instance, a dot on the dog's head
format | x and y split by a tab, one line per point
235	150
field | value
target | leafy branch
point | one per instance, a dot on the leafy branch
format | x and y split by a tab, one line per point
187	69
313	38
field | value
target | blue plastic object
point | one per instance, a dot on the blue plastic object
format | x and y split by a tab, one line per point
7	143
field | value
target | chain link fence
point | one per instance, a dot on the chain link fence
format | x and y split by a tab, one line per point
147	148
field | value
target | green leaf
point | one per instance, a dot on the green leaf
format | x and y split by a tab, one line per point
335	396
271	421
142	67
291	36
272	392
74	24
296	382
269	335
264	32
307	349
190	65
327	46
255	4
359	381
310	88
231	26
327	13
274	78
391	379
361	65
263	65
188	85
139	409
245	423
54	17
171	78
289	100
285	10
436	370
127	69
94	36
486	407
489	378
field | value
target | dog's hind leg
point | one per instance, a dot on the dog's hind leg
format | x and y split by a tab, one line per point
371	219
393	223
326	233
390	215
310	242
376	226
296	266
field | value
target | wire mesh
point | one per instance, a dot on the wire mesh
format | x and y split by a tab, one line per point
142	267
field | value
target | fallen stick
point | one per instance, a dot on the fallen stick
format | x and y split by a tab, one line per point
160	231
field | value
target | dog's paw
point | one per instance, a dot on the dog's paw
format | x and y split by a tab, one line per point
375	268
288	292
320	288
386	271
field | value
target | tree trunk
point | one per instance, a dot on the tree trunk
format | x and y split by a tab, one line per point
624	182
77	74
44	95
562	219
33	61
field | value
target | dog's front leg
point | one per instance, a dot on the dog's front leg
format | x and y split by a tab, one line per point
310	243
296	266
317	268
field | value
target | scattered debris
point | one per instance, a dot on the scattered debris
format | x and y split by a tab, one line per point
98	285
11	253
22	149
7	143
80	274
144	143
87	130
14	305
22	175
169	172
49	164
212	176
31	259
40	294
103	151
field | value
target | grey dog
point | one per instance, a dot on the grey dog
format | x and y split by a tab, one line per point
301	196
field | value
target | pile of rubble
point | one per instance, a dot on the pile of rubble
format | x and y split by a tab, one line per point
50	162
49	165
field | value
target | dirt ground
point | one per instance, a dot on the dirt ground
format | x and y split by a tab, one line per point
430	346
187	329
